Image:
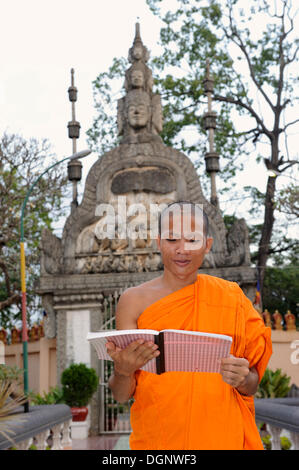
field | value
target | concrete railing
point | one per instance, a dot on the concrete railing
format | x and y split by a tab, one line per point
281	416
44	427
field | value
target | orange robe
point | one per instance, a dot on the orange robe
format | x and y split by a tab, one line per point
198	410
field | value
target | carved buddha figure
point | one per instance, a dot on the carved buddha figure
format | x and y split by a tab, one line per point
137	78
138	109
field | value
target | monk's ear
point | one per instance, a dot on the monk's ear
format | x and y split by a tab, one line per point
209	244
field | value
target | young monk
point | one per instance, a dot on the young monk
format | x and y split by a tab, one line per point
186	410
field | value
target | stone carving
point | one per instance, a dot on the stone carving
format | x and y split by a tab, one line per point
290	321
135	264
152	263
107	264
144	171
157	180
118	265
139	113
145	262
237	245
16	335
267	318
277	319
52	258
49	316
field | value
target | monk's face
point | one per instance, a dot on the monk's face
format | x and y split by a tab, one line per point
183	244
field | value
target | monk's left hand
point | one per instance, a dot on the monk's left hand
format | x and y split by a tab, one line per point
234	370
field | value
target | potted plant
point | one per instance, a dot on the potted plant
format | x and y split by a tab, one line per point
79	382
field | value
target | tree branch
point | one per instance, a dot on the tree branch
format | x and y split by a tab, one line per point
13	299
6	276
273	251
238	102
289	124
240	44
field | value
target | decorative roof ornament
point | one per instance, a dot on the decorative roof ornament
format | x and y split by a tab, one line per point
139	113
211	157
74	167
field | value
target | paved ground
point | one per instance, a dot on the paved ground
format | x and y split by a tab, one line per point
107	442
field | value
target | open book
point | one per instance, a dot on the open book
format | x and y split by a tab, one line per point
180	350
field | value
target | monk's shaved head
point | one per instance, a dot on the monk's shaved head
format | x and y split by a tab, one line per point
184	207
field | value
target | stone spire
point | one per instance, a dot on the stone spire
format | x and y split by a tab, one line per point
74	167
139	113
211	157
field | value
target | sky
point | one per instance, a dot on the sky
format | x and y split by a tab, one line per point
41	41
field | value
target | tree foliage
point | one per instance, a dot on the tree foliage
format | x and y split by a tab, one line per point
255	76
21	161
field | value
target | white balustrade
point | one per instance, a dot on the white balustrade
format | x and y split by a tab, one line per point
59	438
276	433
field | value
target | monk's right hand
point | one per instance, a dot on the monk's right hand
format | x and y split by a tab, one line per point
135	355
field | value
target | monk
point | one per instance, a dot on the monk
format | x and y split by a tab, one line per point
190	410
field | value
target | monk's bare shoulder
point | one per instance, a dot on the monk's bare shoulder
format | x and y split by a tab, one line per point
133	301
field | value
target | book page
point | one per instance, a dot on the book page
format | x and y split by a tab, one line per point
121	338
195	352
198	333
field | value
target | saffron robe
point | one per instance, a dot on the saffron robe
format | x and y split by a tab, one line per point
198	410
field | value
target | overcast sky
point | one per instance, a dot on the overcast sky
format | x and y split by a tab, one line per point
41	41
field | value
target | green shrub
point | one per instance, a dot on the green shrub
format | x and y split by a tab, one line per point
79	383
274	384
53	397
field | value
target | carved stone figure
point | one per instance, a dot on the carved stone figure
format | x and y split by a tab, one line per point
237	245
118	266
134	265
151	263
277	318
119	244
290	321
15	335
107	264
52	258
267	318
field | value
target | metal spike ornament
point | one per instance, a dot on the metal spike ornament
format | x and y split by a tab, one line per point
211	157
74	167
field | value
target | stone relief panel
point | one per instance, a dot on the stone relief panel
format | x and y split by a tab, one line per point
129	244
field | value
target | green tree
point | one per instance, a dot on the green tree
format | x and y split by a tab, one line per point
21	161
255	75
281	289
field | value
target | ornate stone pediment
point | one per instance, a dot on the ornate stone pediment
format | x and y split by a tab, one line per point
140	173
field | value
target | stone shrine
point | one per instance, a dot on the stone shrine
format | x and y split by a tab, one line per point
95	259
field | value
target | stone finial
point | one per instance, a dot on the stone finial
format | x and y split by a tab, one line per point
267	318
73	125
290	321
3	335
209	118
138	51
74	167
139	112
277	318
